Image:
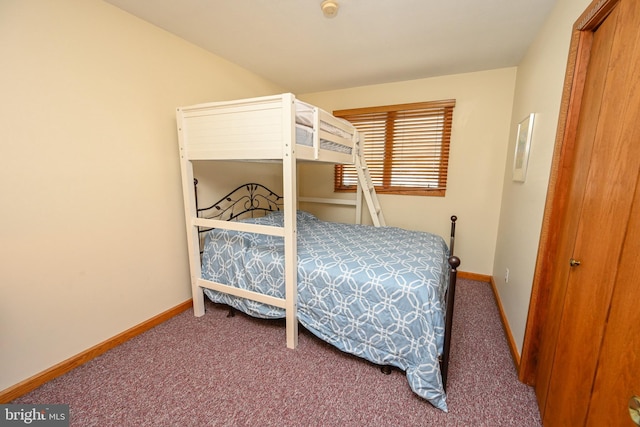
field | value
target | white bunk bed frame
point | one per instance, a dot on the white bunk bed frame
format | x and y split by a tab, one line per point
259	129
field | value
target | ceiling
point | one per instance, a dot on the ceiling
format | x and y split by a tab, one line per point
292	44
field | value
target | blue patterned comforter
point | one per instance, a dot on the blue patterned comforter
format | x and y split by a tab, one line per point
375	292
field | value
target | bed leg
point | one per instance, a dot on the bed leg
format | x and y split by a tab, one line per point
198	301
232	312
454	263
386	369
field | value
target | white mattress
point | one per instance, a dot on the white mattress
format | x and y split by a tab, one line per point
304	136
304	117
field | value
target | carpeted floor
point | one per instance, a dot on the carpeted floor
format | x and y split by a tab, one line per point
219	371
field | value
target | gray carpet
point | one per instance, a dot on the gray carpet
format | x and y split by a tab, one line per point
219	371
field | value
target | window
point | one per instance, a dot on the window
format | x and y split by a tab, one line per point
406	147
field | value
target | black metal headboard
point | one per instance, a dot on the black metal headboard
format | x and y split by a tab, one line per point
246	199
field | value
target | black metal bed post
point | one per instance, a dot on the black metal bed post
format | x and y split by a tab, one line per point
195	192
452	239
454	263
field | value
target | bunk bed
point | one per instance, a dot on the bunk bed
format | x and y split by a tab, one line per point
285	129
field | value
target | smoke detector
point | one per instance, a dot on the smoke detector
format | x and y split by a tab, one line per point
329	8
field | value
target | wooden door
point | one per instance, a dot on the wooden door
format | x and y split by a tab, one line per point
593	232
618	375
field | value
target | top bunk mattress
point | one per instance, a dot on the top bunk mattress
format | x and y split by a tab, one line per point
305	118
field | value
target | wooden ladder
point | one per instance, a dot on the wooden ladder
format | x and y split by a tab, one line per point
365	184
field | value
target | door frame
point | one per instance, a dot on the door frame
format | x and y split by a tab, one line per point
562	169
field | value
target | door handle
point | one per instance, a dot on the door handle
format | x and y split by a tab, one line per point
574	262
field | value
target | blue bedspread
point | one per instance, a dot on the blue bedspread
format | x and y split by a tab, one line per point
375	292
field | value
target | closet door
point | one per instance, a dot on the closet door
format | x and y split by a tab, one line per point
618	375
596	221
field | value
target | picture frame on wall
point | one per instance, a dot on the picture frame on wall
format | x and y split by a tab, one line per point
523	146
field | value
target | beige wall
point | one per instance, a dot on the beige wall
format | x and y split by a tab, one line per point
91	219
478	150
538	90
